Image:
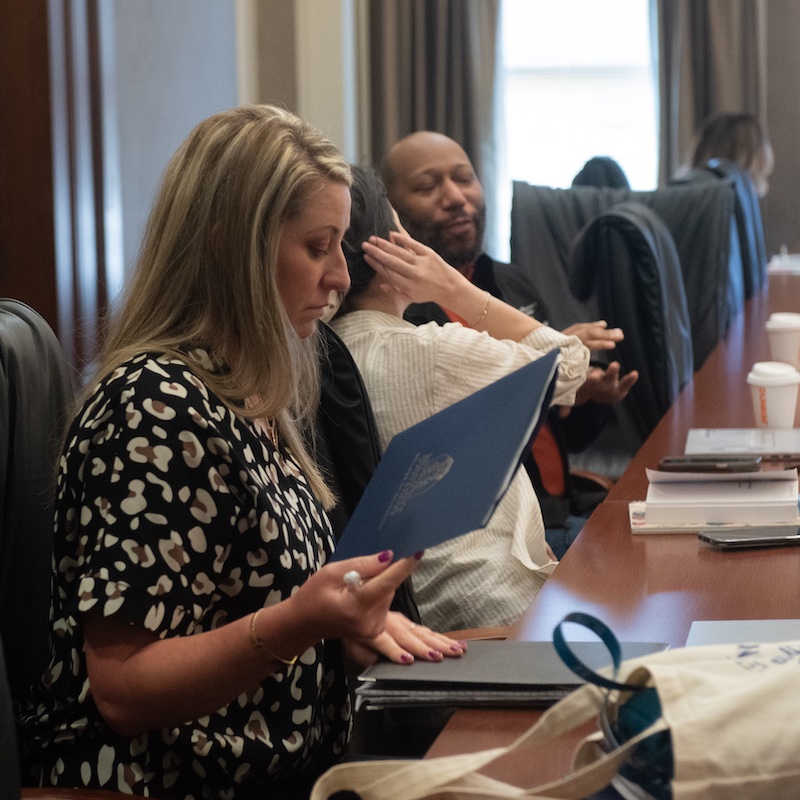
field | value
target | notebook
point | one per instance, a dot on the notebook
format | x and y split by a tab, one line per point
744	498
742	631
444	476
490	673
772	443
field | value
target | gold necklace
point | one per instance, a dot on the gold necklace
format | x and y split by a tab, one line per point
268	428
271	426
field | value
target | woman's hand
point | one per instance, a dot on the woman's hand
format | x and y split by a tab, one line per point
403	641
419	274
412	269
596	335
605	385
326	606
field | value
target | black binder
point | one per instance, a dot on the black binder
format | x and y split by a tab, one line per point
490	673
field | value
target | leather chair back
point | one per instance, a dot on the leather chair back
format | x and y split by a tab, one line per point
627	260
36	394
747	213
545	222
9	761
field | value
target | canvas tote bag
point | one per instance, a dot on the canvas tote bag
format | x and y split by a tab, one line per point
729	715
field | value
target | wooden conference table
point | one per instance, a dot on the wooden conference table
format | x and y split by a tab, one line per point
651	587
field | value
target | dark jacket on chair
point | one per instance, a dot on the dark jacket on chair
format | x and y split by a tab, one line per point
627	260
700	218
347	443
747	213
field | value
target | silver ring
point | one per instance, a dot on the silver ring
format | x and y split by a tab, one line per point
353	580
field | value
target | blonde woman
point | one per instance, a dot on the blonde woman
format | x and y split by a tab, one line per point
197	630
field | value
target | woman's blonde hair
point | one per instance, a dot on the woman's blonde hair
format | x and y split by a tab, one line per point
206	274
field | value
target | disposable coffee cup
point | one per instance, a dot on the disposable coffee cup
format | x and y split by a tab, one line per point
774	388
783	331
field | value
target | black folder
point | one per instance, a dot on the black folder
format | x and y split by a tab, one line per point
490	673
444	476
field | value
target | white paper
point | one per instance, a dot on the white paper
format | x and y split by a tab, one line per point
741	498
640	524
757	441
743	631
788	264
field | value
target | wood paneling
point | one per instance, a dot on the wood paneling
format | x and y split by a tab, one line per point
27	240
52	229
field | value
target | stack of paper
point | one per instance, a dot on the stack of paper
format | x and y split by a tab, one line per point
684	498
637	515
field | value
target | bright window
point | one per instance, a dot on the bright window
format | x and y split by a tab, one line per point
579	81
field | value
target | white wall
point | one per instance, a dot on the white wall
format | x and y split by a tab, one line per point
175	64
326	69
306	59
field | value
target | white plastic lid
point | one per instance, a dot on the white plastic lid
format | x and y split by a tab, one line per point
783	320
773	373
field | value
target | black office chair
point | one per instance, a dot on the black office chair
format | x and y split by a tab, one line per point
747	213
627	260
699	216
748	220
9	759
36	395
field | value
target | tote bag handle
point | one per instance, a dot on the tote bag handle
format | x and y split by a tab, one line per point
457	776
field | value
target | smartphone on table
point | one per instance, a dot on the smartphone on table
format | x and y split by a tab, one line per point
705	463
754	536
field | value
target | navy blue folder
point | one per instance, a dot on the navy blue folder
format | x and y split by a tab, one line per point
444	476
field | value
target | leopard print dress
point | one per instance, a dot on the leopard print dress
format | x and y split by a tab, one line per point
177	515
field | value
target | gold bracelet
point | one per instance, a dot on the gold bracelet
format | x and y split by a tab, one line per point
484	312
262	649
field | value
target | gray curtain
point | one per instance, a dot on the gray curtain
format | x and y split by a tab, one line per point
432	67
712	57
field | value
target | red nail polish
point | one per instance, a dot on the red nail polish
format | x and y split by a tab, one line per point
435	654
419	555
406	658
385	556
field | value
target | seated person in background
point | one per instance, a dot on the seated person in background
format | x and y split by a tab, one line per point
198	634
602	171
739	138
489	576
432	185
